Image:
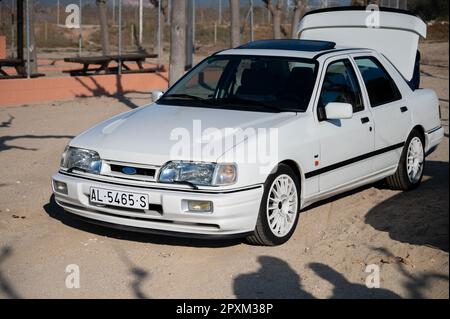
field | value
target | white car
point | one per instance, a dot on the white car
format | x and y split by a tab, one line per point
333	117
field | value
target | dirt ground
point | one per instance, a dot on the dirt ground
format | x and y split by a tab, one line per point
405	234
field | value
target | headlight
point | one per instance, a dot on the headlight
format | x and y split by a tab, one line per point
198	173
84	160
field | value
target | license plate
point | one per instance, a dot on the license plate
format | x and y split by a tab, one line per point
120	199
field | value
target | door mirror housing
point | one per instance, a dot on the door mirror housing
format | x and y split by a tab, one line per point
338	111
156	95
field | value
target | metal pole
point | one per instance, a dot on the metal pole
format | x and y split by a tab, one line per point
27	10
141	21
251	21
194	21
189	33
159	33
220	12
114	12
120	38
80	39
169	10
19	25
57	13
13	20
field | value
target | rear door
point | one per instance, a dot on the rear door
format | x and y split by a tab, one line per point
344	144
391	116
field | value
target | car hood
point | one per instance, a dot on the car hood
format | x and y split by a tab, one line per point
153	134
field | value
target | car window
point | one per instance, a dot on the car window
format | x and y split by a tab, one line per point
244	82
341	85
204	83
380	86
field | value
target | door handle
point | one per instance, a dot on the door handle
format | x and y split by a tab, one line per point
365	120
404	109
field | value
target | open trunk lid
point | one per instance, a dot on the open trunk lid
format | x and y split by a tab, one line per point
394	33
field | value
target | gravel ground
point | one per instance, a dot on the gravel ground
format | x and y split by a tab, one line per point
405	234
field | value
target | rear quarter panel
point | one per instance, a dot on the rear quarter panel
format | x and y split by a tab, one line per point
424	106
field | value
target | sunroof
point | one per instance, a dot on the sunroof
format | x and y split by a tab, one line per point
288	44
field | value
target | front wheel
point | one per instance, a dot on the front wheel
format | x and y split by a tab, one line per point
411	166
279	210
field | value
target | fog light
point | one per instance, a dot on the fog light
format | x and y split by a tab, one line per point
60	187
196	206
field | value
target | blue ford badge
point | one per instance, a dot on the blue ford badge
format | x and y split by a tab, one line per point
129	170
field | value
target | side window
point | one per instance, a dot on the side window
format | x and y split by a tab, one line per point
380	86
341	85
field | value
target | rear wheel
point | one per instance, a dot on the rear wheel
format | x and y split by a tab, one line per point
279	210
412	163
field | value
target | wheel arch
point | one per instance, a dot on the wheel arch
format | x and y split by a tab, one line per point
298	171
419	128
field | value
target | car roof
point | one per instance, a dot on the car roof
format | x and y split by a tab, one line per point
309	49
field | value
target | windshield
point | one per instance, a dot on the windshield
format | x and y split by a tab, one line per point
251	83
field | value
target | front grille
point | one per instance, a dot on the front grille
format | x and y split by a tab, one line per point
139	171
142	172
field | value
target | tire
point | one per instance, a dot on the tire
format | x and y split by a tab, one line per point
285	182
405	179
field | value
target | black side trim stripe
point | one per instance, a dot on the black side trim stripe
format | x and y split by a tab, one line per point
353	160
434	130
231	191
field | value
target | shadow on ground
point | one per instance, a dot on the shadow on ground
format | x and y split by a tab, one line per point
99	90
4	145
415	284
139	275
5	287
418	217
56	212
277	280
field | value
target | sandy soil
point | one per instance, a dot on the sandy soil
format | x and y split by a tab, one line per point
405	234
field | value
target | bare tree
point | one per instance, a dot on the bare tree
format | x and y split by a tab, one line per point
104	32
177	40
276	11
299	12
163	17
235	31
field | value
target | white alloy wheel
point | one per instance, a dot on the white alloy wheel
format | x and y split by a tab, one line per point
282	205
414	160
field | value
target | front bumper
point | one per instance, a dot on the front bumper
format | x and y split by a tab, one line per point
235	212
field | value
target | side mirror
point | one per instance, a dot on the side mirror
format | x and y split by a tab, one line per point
338	111
156	95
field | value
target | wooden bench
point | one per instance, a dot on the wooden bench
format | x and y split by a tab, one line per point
102	64
19	66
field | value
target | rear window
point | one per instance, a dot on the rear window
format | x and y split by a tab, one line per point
380	86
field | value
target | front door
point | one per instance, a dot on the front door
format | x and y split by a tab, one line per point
344	143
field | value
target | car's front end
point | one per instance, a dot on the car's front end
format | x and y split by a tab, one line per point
195	162
137	202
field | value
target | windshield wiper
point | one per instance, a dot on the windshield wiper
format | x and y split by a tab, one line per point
186	96
241	101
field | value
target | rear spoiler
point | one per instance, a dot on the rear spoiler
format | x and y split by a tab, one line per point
394	33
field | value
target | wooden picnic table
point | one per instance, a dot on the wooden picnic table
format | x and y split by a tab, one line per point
19	66
102	64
